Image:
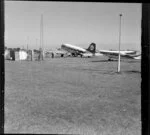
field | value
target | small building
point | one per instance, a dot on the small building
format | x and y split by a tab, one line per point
23	55
13	54
7	54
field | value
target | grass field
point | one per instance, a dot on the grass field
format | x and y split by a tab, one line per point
73	96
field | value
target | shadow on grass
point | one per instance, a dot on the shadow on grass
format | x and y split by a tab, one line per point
102	71
132	71
114	72
103	61
129	72
127	61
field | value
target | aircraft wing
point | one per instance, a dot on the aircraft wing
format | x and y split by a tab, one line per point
136	56
123	54
109	53
72	48
75	50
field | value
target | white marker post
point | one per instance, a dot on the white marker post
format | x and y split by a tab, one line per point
119	44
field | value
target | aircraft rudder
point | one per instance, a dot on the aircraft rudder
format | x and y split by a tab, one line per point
92	48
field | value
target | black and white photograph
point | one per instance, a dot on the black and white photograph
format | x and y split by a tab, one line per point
72	67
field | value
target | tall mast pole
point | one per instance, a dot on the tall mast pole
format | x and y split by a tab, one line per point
27	43
36	42
41	37
119	44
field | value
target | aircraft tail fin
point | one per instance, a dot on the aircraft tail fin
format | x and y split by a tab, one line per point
92	48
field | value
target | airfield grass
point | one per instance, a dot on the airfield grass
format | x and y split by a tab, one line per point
73	96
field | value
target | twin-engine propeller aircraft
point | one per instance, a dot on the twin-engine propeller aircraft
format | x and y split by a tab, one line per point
78	51
113	55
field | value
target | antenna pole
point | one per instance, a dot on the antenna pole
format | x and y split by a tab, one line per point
119	44
41	37
27	42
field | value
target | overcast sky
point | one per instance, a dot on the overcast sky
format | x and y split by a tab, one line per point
72	22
